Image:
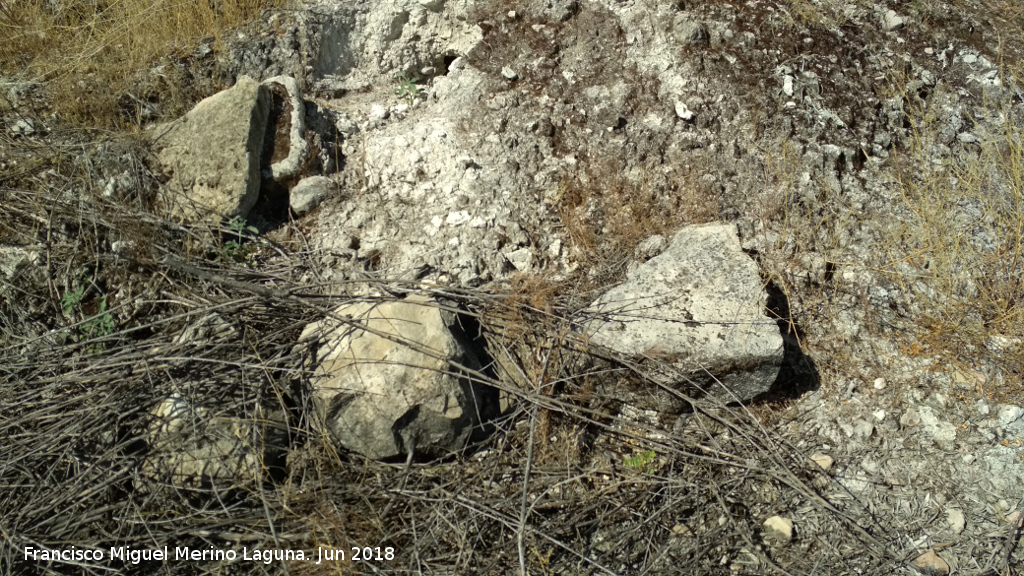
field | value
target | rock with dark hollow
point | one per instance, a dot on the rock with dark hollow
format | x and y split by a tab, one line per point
694	318
212	154
390	379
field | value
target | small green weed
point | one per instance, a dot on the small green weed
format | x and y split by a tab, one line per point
98	326
235	249
407	89
642	461
73	298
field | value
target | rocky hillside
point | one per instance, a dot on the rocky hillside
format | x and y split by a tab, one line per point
515	286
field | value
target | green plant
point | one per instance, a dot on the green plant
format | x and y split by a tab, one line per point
642	461
235	249
100	325
407	89
73	298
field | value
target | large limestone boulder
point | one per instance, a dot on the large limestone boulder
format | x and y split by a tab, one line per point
380	396
196	448
694	318
212	154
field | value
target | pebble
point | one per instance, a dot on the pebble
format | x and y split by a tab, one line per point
930	563
683	111
892	21
879	384
779	527
824	461
956	520
967	138
457	218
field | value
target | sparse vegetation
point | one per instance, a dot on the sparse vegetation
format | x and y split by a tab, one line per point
580	488
407	89
957	251
88	53
236	249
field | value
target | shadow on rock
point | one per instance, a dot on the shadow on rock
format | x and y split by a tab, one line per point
797	374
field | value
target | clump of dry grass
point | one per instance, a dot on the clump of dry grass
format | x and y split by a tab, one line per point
88	51
957	249
606	215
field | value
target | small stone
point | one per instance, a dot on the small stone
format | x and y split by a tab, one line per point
967	138
787	85
930	564
509	73
879	384
23	127
1010	417
521	259
862	429
683	112
780	528
892	21
682	530
1015	519
969	58
122	248
910	419
309	193
458	218
378	112
956	520
879	415
824	461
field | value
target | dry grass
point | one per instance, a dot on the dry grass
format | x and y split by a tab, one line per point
606	215
89	51
957	249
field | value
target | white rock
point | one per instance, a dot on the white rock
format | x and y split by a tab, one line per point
787	85
879	384
824	461
509	73
298	148
892	21
780	528
378	112
212	154
956	520
378	396
700	306
521	259
309	193
683	111
23	127
1010	418
457	218
202	449
944	433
